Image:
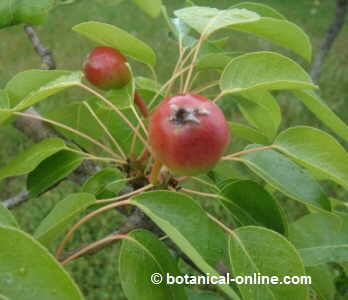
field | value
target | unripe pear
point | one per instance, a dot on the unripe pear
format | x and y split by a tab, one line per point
106	68
188	133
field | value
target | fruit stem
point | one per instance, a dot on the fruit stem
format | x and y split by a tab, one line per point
232	156
141	105
93	246
70	233
156	168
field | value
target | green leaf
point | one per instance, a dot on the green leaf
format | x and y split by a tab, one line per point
320	238
110	179
6	217
61	216
281	32
3	298
317	106
247	133
193	295
255	204
148	84
13	12
322	281
286	176
115	37
261	110
317	151
217	61
207	20
259	250
29	159
143	254
77	116
52	170
185	222
29	270
179	29
262	9
151	7
4	100
29	87
263	70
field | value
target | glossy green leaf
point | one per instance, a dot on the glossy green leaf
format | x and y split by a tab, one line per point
13	12
322	281
186	223
143	254
316	150
259	250
250	204
151	7
281	32
109	35
52	170
29	271
60	217
319	108
30	158
29	87
110	179
286	176
144	83
264	70
6	217
247	133
262	9
207	20
320	238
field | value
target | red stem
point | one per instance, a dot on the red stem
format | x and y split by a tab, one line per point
141	105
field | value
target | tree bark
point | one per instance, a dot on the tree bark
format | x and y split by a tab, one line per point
331	35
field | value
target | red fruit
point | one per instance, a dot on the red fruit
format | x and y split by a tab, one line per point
188	134
106	68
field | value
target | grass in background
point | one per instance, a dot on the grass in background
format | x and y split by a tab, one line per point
98	275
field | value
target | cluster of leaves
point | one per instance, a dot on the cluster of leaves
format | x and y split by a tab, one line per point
291	162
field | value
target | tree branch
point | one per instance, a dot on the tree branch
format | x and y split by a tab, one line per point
331	35
45	53
37	130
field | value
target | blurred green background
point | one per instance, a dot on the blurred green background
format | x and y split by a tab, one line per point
98	275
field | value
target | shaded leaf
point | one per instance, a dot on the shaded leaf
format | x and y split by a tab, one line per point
30	158
59	218
322	281
110	179
286	176
255	206
52	170
143	254
29	270
112	36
